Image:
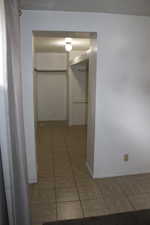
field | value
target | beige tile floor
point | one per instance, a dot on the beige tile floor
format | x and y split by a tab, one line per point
65	189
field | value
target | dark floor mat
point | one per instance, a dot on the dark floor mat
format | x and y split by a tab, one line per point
141	217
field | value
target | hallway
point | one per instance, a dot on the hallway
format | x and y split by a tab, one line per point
65	189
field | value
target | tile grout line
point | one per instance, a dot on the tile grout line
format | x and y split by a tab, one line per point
102	196
68	151
67	148
54	175
79	192
57	202
127	197
73	175
123	195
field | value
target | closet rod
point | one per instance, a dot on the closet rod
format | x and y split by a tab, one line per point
47	71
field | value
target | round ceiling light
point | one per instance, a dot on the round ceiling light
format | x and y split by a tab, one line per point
68	44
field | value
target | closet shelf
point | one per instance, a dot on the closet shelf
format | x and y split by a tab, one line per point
48	71
79	102
79	59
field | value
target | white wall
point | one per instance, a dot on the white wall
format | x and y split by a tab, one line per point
35	98
34	88
52	96
51	86
50	61
78	81
122	106
91	106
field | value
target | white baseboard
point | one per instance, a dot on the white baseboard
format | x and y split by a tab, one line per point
32	181
89	169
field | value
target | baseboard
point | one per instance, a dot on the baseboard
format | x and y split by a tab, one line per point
32	181
120	174
89	169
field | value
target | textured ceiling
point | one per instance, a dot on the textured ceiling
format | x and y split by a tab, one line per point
135	7
46	44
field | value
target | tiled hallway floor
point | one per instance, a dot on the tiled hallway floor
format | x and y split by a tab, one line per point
65	189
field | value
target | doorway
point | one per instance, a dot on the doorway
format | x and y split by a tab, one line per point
61	105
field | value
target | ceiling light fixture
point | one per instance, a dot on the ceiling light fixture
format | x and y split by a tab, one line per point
68	44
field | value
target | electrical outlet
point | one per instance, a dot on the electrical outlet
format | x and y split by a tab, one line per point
126	157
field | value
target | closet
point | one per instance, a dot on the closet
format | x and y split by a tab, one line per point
61	87
78	86
51	86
